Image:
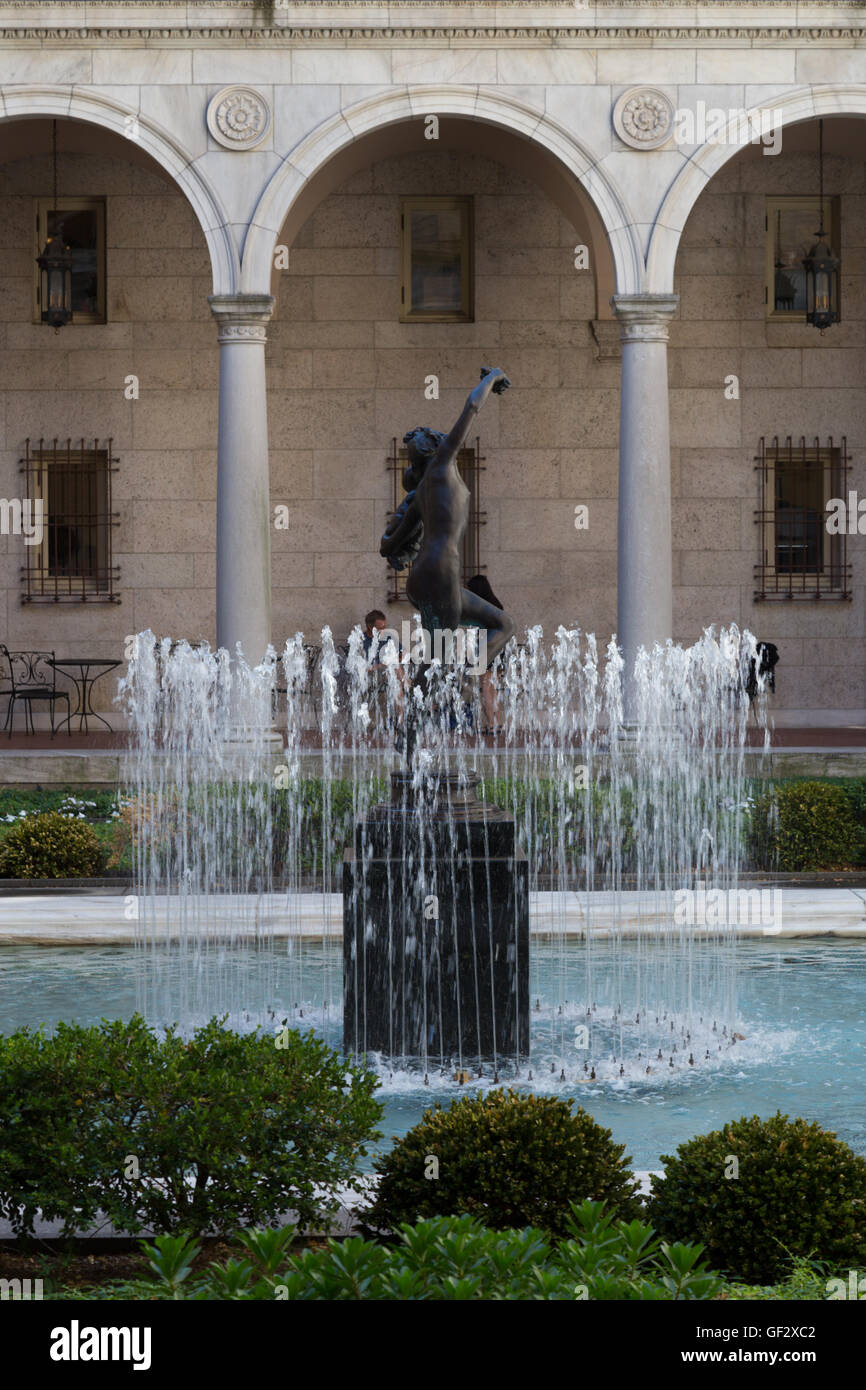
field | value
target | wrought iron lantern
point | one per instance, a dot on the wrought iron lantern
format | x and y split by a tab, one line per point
55	269
821	266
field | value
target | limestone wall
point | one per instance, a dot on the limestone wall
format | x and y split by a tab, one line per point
791	381
73	383
346	376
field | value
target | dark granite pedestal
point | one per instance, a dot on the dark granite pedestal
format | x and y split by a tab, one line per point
436	928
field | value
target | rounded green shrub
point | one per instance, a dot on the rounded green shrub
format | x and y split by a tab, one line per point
805	826
507	1159
205	1133
50	845
794	1190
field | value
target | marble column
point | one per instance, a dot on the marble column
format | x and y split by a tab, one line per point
243	594
644	561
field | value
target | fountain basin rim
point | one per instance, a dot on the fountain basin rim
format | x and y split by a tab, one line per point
97	919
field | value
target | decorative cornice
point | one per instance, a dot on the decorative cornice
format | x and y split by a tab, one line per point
542	35
271	8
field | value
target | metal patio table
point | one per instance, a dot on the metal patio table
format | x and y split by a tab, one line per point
84	672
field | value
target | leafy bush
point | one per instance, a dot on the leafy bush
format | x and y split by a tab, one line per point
854	789
805	826
556	820
505	1158
799	1191
807	1281
50	845
448	1258
307	823
193	1135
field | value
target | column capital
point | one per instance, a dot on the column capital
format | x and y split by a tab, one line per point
644	318
242	318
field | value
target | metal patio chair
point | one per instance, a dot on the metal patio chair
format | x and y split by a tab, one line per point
29	676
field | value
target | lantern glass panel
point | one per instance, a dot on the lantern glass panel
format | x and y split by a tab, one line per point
79	233
792	224
80	224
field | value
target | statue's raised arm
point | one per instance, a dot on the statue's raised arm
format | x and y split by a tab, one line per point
492	379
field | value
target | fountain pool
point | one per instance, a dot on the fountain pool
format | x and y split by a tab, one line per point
800	1004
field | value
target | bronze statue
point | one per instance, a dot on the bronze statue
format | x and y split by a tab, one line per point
427	529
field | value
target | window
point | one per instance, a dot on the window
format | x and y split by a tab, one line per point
792	224
798	557
82	221
436	260
71	561
470	464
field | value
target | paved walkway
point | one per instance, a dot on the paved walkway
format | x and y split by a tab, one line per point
99	919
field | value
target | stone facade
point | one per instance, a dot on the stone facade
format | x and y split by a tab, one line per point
345	376
217	132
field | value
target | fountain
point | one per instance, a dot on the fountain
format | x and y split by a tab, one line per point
238	851
580	829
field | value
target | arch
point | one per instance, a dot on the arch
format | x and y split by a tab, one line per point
94	108
603	203
806	103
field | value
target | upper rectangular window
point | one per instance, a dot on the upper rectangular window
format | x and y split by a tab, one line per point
792	225
436	257
81	223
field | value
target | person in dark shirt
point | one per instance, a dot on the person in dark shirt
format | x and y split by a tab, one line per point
374	622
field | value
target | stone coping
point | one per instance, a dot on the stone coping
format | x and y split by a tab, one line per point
102	767
98	920
124	885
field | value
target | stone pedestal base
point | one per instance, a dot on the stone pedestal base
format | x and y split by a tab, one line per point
436	930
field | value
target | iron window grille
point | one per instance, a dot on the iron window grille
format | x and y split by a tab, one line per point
72	563
470	463
798	558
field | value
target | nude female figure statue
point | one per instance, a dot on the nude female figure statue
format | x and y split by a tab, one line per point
427	528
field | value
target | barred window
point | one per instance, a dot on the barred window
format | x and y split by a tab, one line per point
71	560
798	556
470	463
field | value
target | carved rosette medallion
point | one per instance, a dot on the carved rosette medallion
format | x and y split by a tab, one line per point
238	118
643	118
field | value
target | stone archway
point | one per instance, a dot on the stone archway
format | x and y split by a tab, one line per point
806	104
73	104
603	204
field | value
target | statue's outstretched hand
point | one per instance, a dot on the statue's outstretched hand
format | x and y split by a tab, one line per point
501	382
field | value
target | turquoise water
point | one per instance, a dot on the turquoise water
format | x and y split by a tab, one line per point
801	1007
